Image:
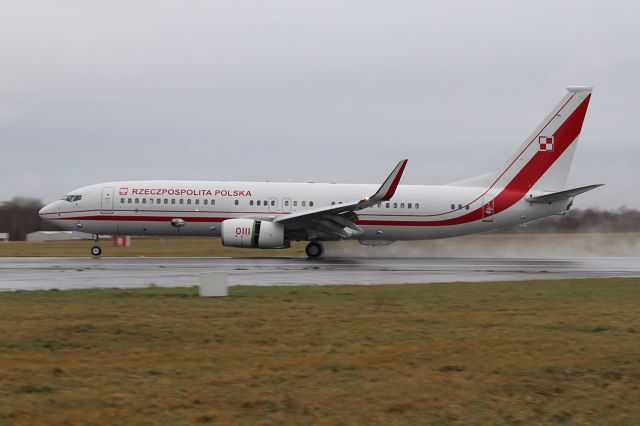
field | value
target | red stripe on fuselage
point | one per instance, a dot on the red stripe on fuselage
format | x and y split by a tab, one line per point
522	181
511	164
143	218
511	194
533	140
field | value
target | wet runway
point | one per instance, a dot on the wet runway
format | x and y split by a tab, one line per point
67	273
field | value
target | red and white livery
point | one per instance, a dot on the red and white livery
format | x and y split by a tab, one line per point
529	186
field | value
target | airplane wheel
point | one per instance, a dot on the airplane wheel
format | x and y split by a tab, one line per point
96	250
314	250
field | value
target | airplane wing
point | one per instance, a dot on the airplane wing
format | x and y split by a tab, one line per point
562	195
330	221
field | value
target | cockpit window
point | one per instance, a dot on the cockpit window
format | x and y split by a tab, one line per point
72	198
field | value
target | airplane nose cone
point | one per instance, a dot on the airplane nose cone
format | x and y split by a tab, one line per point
44	211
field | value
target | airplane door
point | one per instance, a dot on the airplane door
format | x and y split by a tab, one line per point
273	204
487	208
107	200
286	205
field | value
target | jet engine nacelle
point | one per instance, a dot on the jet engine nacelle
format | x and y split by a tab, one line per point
252	233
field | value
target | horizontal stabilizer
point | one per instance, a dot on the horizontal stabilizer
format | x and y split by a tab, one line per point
562	195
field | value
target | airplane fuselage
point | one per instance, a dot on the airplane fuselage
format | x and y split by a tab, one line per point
415	212
530	185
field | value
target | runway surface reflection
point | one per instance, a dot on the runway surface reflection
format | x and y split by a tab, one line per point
68	273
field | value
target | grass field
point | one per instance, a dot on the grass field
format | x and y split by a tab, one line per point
142	246
543	352
482	245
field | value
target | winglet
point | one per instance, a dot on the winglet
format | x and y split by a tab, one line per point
388	188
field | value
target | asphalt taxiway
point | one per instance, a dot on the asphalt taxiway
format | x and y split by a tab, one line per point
69	273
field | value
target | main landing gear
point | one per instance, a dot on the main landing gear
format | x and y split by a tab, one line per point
96	250
314	250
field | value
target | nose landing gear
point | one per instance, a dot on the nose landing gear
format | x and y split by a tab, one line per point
314	250
96	250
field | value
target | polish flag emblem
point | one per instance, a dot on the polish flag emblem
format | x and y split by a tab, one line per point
545	143
124	191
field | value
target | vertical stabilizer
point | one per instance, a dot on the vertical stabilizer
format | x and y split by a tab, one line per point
544	159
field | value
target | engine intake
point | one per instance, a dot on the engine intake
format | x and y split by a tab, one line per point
249	233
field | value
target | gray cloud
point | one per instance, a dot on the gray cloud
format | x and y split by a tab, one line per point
300	90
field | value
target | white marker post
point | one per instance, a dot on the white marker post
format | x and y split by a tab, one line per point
213	284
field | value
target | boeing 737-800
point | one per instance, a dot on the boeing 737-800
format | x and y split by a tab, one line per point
530	185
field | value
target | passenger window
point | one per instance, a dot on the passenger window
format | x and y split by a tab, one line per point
388	205
310	203
144	201
166	201
235	202
129	200
273	203
295	203
197	201
181	200
121	200
150	200
467	207
417	206
250	202
188	200
258	202
265	202
304	203
173	201
137	200
402	205
286	203
459	206
395	205
453	206
333	203
409	205
205	202
379	205
213	202
158	201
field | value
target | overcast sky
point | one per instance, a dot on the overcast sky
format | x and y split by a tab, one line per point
93	91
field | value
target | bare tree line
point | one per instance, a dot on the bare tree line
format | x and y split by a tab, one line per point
19	217
584	220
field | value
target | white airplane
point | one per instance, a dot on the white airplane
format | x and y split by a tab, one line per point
530	185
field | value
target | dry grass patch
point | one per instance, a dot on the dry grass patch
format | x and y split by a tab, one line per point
484	245
525	352
141	246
